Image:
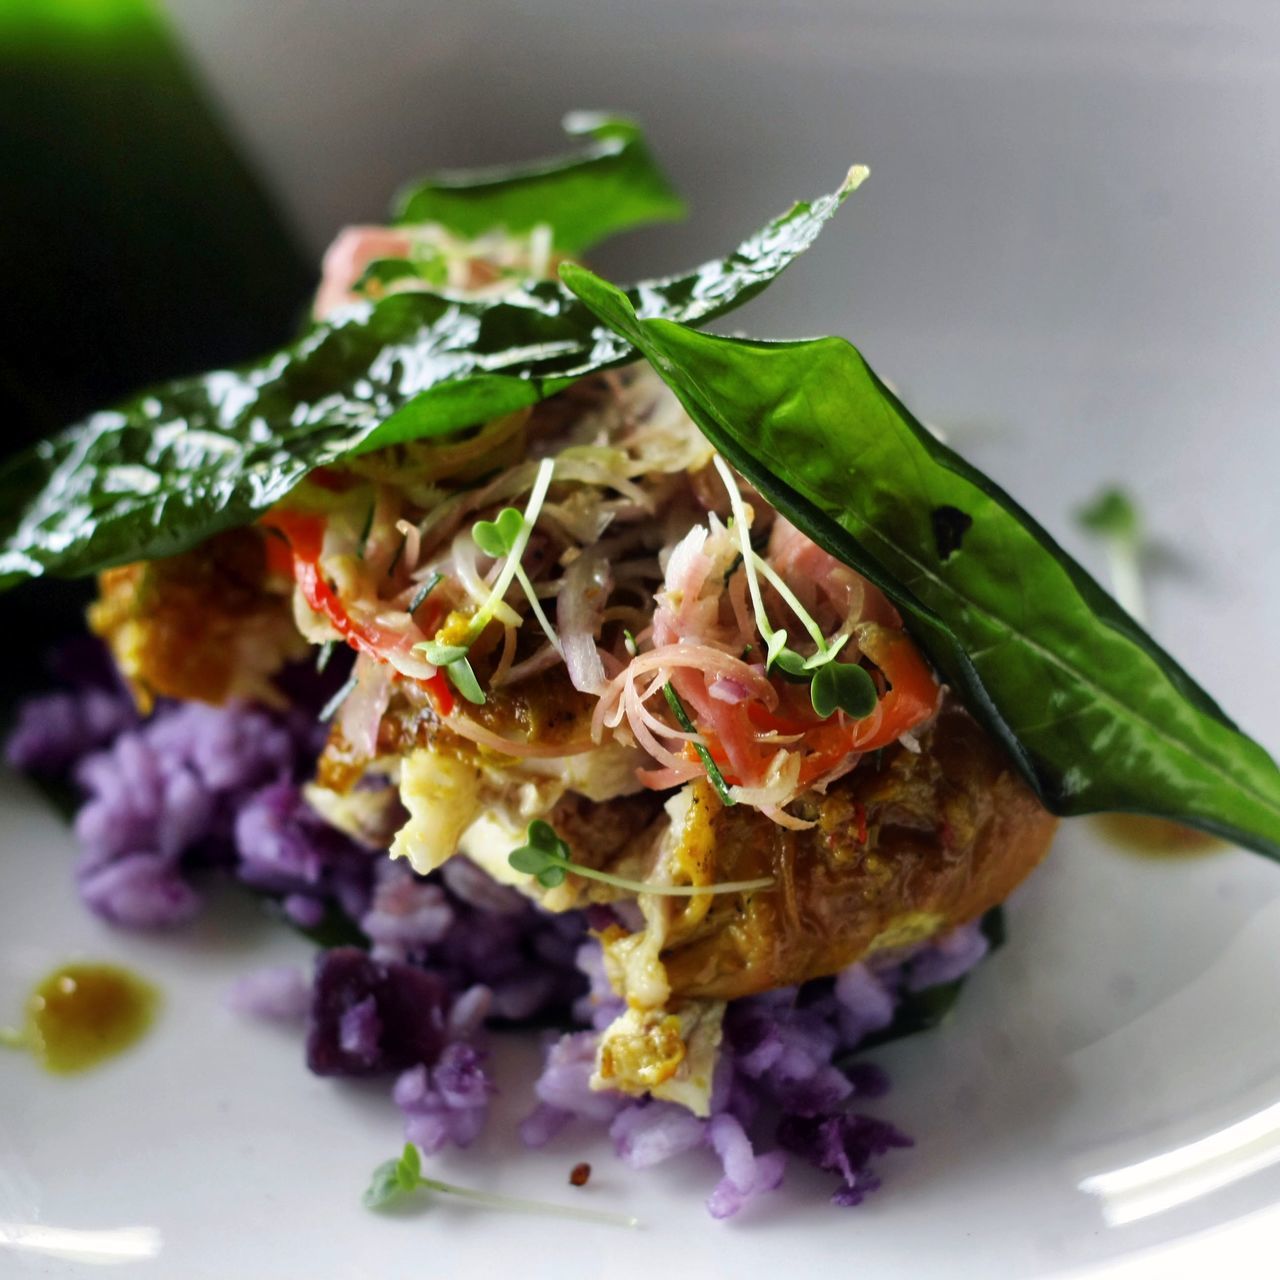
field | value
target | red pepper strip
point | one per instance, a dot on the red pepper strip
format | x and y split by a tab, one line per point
306	537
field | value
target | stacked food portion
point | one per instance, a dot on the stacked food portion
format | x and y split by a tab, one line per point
690	685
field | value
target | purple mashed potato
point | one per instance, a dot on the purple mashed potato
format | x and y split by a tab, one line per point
195	789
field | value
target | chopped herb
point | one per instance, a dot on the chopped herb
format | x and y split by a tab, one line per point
365	530
326	652
424	591
545	856
629	642
394	1179
331	707
714	776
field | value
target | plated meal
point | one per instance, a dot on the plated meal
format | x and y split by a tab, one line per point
708	706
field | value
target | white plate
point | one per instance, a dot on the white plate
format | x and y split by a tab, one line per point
1131	1017
1066	254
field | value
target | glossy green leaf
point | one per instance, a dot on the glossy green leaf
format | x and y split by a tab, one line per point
612	184
1096	715
189	459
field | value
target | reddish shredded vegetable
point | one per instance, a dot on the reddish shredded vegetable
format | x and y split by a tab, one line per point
583	553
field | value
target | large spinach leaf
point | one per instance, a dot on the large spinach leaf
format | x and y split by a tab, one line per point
182	462
611	185
1096	715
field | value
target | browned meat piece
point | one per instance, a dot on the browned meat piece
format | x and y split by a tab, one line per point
929	841
202	625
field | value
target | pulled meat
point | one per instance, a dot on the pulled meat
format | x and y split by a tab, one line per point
926	841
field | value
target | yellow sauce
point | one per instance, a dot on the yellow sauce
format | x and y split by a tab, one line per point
1155	837
82	1014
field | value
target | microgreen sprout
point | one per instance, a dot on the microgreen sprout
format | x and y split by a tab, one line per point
514	535
755	565
452	660
1113	516
506	535
685	721
395	1179
545	856
847	687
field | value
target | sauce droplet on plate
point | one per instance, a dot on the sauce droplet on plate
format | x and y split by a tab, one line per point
82	1014
1157	837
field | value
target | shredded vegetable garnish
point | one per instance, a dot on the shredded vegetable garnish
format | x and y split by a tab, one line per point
633	607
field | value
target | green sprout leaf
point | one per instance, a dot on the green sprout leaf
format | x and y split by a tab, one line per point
463	678
394	1179
1112	514
385	1185
789	662
843	686
542	835
775	646
496	537
440	655
409	1167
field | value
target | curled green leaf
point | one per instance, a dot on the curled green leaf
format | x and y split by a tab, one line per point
184	461
1094	713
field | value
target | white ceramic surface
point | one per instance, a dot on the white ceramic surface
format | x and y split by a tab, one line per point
1066	254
